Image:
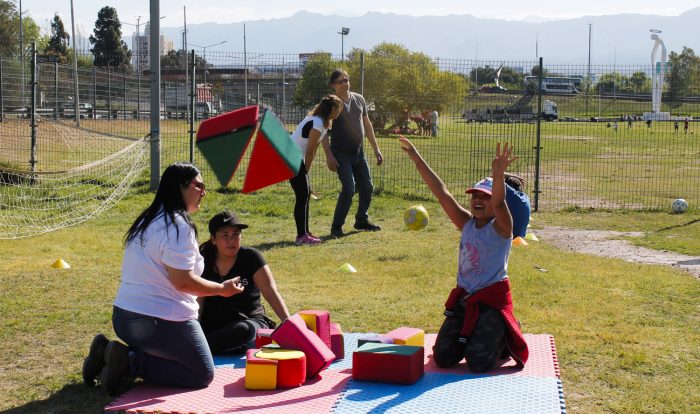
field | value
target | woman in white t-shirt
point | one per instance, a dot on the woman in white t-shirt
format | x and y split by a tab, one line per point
308	136
155	311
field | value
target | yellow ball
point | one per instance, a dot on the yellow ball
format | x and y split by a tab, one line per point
416	217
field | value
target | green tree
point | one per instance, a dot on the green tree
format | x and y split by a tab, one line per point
9	37
397	79
640	82
682	78
58	41
176	59
313	84
108	46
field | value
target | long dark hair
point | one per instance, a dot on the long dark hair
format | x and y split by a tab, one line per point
168	199
324	108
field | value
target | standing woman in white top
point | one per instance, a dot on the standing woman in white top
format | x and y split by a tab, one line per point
308	136
155	311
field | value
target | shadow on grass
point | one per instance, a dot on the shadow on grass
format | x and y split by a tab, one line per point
679	225
72	398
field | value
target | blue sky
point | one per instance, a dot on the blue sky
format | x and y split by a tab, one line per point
226	11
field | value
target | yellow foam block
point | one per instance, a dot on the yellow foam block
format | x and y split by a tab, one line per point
309	320
260	374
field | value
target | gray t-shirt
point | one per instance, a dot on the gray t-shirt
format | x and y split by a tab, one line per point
348	130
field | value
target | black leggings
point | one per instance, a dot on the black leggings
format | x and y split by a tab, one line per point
302	190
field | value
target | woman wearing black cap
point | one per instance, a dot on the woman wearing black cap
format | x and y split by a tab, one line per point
230	324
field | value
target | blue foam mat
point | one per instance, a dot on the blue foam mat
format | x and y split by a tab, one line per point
449	393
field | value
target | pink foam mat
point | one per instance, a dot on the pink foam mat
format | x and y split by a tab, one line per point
227	394
543	361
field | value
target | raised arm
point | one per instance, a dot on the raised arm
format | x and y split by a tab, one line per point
504	221
458	214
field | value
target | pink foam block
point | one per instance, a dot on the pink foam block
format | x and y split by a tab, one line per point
318	321
262	337
397	364
293	334
407	336
337	341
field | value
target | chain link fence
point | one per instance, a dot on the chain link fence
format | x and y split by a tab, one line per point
585	135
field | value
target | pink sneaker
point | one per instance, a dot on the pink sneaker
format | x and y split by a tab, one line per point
306	239
314	237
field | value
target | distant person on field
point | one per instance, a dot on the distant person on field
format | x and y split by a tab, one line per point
629	121
648	123
155	311
345	155
308	135
230	324
434	122
685	125
427	126
675	126
479	323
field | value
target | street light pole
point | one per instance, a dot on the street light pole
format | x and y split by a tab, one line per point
344	31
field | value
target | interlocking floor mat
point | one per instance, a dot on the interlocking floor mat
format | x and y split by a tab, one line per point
535	389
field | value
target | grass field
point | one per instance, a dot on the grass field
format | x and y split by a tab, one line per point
628	335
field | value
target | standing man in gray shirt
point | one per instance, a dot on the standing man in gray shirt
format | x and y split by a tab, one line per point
345	155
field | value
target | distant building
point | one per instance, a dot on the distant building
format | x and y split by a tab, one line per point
141	50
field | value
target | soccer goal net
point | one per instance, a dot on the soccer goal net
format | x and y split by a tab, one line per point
40	201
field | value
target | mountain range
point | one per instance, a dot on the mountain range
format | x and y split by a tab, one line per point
621	39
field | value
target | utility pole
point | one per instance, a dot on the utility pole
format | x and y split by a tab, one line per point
245	71
588	81
21	51
76	101
154	70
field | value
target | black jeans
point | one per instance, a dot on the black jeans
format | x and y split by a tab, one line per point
482	348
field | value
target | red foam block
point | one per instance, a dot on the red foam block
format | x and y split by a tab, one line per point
293	334
228	122
396	364
337	341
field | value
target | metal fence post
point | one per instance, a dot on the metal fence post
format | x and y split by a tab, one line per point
538	147
124	99
192	94
55	90
362	73
2	96
94	92
32	159
109	92
138	89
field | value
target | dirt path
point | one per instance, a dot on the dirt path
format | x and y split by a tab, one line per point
603	243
